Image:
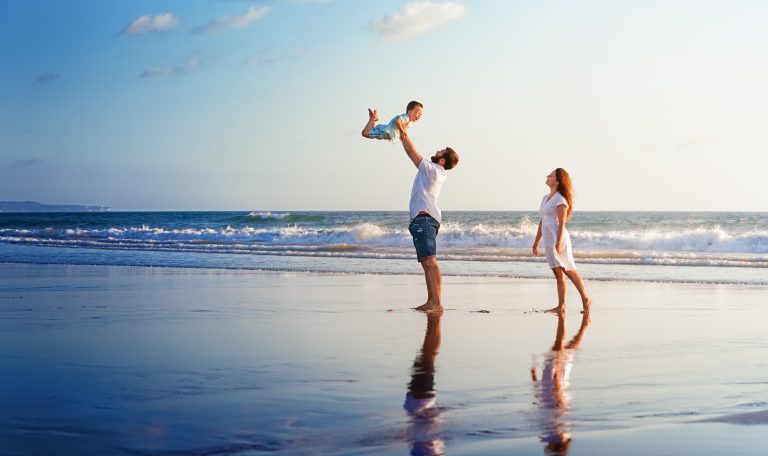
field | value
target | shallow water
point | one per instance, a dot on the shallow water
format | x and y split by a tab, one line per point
130	360
32	254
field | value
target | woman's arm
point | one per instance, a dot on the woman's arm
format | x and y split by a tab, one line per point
562	212
535	248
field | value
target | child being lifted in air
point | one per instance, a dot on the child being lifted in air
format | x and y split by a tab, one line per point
389	131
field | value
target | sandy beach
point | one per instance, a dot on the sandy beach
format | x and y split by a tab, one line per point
135	360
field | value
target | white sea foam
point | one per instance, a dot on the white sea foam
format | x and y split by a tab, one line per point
268	215
654	242
691	240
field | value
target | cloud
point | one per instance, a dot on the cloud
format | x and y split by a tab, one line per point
26	163
191	64
262	58
415	19
253	14
46	78
158	72
146	24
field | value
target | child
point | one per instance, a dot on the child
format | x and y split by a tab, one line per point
389	131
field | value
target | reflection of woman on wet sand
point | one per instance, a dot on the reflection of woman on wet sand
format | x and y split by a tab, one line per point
553	397
556	208
421	398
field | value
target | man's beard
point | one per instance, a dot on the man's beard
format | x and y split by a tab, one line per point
436	159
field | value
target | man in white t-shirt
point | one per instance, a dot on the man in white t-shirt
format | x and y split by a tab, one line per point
426	216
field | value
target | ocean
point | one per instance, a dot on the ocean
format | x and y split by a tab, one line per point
722	247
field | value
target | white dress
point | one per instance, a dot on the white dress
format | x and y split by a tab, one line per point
549	228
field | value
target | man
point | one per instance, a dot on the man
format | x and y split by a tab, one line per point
426	216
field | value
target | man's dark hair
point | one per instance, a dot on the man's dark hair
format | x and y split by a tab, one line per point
413	104
451	158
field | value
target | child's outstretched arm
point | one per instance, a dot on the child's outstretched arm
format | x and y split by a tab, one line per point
410	149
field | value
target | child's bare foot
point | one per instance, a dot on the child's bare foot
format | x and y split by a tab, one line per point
372	118
586	303
430	307
559	310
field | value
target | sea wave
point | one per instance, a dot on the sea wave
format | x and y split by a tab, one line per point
278	217
714	246
268	215
520	236
692	240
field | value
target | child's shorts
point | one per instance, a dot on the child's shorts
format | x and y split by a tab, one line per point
381	131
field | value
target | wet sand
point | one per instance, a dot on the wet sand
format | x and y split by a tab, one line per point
131	360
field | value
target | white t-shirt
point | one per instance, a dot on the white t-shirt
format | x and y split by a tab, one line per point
426	188
392	129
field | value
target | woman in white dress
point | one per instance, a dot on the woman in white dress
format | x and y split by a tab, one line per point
556	208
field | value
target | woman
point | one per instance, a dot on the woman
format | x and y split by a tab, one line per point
556	209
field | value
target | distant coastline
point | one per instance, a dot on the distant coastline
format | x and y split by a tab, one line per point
33	206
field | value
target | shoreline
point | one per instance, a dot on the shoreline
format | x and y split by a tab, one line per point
416	272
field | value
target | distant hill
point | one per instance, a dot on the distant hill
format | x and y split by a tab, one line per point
32	206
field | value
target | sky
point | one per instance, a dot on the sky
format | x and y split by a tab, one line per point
243	105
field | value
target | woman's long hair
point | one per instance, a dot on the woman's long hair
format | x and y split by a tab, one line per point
565	188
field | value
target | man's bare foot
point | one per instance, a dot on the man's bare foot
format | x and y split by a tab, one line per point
556	310
373	115
587	303
429	307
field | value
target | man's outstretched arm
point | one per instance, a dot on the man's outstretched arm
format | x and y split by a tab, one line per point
410	149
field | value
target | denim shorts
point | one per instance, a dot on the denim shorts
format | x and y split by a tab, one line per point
424	230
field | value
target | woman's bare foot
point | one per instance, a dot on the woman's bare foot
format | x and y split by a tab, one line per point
556	310
429	307
586	303
373	115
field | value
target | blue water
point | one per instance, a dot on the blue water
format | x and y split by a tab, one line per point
725	247
167	361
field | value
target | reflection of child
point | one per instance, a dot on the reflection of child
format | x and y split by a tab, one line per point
389	131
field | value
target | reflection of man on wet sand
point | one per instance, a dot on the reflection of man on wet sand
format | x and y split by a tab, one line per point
553	397
421	398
